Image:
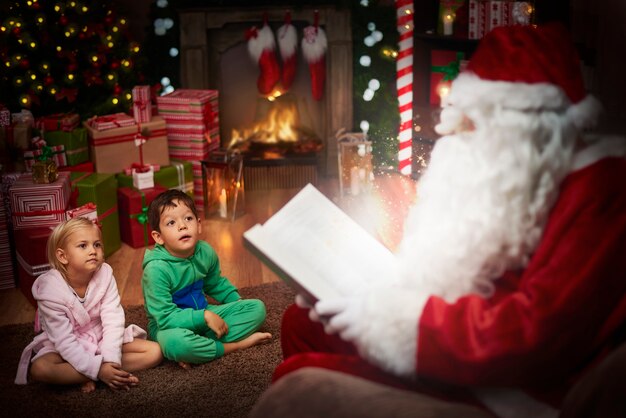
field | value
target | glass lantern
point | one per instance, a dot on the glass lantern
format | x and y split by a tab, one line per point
223	186
355	164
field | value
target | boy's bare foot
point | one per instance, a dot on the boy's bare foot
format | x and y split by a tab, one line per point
88	387
254	339
184	365
259	338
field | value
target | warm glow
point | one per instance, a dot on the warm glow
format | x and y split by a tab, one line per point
443	89
278	126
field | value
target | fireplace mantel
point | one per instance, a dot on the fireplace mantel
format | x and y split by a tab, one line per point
198	70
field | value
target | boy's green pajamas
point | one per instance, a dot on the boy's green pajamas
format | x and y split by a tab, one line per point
174	291
243	318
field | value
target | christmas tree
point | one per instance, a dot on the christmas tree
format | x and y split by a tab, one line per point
375	99
61	56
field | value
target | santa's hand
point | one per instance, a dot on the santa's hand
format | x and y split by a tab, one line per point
303	303
343	316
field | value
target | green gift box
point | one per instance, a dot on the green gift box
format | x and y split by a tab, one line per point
76	144
177	175
100	189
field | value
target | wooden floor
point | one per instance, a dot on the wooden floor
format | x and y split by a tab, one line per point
381	213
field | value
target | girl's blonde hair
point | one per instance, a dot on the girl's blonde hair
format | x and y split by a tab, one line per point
58	239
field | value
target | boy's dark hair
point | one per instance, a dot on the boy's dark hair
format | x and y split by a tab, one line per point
166	200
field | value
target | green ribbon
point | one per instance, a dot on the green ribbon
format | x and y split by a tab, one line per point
46	153
142	217
451	70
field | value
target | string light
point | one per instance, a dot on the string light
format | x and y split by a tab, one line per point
81	47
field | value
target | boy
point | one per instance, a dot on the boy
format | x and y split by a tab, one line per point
177	274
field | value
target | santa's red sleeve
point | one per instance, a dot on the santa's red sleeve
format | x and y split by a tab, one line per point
542	324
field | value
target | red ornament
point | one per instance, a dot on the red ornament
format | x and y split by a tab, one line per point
63	20
115	65
71	67
17	31
24	63
117	89
48	80
81	36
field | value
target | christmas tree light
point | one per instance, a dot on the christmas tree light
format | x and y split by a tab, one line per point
67	56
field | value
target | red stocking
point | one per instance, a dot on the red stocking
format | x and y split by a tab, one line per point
287	44
262	49
314	46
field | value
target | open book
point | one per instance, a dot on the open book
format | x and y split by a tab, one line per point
318	249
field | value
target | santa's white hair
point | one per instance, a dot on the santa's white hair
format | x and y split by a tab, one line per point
485	197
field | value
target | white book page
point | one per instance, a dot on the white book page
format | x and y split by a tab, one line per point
321	247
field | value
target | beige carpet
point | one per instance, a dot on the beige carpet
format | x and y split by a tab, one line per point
227	387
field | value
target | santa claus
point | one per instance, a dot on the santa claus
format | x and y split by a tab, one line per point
513	257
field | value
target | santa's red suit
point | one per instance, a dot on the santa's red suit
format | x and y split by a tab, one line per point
545	297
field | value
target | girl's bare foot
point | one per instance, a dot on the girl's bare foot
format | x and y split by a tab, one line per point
184	365
88	387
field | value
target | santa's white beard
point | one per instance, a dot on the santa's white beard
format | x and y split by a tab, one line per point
481	208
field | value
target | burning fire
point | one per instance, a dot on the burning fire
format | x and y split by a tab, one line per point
278	126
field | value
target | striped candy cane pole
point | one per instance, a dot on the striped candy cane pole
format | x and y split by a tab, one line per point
404	82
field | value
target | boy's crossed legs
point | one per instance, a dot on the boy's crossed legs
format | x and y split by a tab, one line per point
243	318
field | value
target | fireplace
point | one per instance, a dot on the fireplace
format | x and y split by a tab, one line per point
279	149
214	56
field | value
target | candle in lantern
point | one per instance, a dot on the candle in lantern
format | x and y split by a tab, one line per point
354	181
448	20
443	89
222	200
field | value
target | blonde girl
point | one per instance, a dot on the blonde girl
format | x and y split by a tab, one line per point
83	338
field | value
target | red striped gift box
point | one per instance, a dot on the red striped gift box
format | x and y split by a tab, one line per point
142	107
39	205
115	120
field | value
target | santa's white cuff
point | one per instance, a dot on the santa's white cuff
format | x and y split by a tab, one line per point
390	340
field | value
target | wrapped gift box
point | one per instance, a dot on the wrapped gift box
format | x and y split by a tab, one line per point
7	249
32	261
58	156
177	175
14	140
484	15
5	116
142	106
100	189
74	141
59	122
445	66
113	121
133	206
113	150
191	116
39	205
85	167
88	210
18	135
